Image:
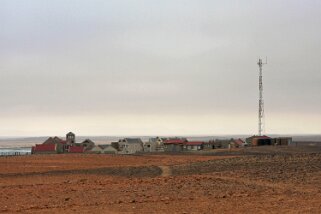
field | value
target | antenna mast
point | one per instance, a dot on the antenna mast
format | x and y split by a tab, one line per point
261	101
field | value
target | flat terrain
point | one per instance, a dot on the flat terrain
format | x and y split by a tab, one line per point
255	180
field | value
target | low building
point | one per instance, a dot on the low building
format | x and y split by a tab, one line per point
130	146
237	143
174	145
45	149
155	144
194	145
259	141
50	146
63	146
220	143
282	141
209	145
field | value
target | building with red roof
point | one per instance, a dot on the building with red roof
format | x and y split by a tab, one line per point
58	145
174	144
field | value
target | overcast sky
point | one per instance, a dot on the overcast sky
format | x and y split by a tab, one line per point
158	67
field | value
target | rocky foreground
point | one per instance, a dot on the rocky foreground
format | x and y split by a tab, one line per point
261	181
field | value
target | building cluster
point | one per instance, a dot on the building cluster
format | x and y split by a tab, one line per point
54	145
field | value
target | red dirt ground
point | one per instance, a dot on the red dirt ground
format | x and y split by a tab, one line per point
278	183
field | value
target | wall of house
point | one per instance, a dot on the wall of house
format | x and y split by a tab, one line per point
130	148
173	148
194	148
150	147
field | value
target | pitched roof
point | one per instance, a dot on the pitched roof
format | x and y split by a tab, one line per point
133	140
238	142
53	140
88	141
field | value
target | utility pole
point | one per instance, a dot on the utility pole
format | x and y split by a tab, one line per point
261	101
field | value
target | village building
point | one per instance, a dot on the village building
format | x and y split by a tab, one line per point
87	144
193	145
236	143
220	143
265	140
282	141
45	149
174	145
155	144
259	140
208	145
115	145
51	146
130	146
56	145
70	138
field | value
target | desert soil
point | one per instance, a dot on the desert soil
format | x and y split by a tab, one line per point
262	181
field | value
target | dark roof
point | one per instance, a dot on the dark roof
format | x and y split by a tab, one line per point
133	140
70	133
259	137
53	140
88	141
238	142
262	137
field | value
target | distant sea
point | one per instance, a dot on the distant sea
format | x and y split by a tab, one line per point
15	151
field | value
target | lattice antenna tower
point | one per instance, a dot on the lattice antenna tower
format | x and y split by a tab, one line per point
261	124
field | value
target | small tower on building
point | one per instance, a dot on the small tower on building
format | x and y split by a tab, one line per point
70	138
